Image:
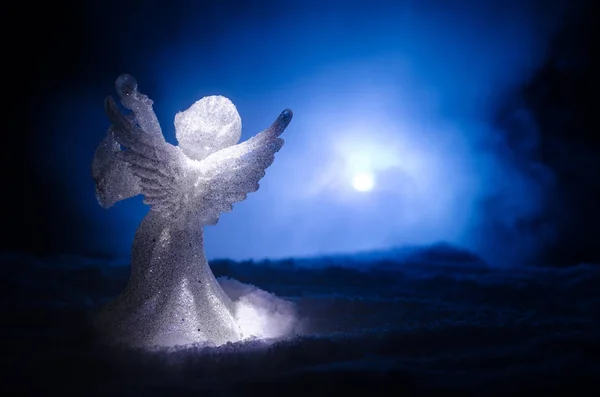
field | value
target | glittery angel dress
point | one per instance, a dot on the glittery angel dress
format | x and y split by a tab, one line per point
172	297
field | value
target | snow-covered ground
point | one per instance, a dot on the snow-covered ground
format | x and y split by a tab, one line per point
434	318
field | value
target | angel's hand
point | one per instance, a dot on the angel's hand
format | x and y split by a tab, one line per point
139	104
280	124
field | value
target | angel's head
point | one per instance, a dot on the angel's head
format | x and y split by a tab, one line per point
209	125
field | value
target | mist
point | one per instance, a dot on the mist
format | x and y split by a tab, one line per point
408	92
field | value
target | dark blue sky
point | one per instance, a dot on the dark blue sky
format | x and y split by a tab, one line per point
409	91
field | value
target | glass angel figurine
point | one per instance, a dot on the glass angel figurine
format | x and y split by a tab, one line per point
172	297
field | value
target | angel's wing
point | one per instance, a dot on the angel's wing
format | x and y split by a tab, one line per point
227	176
159	165
113	177
175	185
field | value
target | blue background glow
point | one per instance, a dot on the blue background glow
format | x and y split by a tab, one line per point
407	90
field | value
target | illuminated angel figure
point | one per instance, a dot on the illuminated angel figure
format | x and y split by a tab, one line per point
172	297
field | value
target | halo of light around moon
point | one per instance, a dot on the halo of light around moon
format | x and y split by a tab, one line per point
363	182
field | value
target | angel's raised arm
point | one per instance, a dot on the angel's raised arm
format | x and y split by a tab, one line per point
139	104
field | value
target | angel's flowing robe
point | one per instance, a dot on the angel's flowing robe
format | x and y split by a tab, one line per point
172	297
